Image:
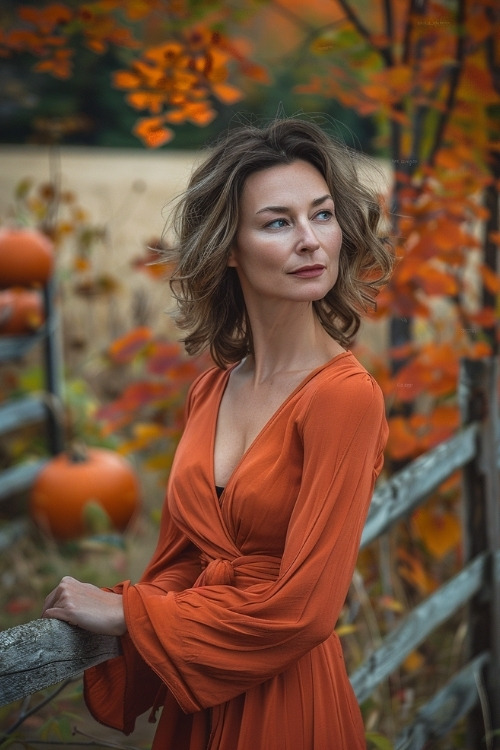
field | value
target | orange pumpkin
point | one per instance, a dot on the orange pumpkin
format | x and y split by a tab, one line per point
70	482
26	257
21	311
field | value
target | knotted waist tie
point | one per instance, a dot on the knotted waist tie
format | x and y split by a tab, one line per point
239	572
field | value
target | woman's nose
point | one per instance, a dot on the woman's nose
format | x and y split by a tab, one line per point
307	240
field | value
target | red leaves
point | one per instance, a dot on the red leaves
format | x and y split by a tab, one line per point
148	414
126	348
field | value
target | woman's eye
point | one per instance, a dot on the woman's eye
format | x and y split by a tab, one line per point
324	215
277	224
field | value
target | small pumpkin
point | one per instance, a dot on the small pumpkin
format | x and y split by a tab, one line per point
26	257
21	311
71	482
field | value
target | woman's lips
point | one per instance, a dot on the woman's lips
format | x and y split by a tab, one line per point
309	272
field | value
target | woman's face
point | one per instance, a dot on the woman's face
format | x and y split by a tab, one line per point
288	241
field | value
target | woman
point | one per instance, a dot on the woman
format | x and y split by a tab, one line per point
231	628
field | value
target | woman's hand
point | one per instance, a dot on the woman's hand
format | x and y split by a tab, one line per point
87	606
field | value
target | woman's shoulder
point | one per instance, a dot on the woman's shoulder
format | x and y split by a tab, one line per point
344	368
205	383
345	383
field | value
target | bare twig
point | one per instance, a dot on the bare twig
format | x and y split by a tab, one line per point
103	743
25	714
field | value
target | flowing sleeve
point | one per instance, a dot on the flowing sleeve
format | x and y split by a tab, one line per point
121	689
210	643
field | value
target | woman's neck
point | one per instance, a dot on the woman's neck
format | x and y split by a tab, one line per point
293	341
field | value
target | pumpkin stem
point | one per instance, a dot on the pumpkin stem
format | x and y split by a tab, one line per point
78	453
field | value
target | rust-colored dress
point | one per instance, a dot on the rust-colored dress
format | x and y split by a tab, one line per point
231	628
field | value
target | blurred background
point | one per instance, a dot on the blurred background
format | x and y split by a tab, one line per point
105	108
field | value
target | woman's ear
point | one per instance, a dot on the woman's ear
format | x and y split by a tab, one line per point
231	258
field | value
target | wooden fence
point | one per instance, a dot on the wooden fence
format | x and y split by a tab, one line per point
44	652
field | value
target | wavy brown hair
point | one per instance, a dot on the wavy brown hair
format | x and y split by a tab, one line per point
210	304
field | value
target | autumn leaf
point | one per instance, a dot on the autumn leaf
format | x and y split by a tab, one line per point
159	462
20	604
46	19
392	605
126	348
151	100
126	79
438	528
411	569
153	132
485	318
348	629
152	262
435	281
226	93
479	350
494	236
491	280
144	435
413	662
59	65
403	443
163	356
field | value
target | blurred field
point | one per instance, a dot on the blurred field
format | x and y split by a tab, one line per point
124	194
128	193
123	189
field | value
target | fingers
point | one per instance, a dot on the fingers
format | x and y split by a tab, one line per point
58	595
87	606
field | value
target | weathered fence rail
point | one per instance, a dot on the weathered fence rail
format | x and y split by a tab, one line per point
44	652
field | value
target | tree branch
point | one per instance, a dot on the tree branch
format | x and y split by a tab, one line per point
454	79
363	31
408	32
389	30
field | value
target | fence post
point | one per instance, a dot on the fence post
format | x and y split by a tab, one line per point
478	396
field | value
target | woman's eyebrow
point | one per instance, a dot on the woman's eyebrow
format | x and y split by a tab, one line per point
285	209
319	201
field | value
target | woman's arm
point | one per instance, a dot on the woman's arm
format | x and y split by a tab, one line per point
87	606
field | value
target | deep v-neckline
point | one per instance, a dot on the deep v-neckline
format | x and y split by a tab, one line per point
265	426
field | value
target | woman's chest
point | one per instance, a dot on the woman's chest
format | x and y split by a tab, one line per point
244	414
260	492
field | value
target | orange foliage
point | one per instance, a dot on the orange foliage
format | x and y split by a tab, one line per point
149	412
403	442
175	81
124	349
412	570
152	131
430	88
438	528
438	108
